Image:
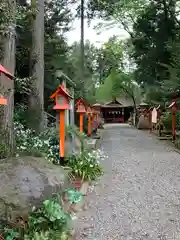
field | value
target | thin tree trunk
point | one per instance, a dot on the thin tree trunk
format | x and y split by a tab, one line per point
82	41
36	100
6	84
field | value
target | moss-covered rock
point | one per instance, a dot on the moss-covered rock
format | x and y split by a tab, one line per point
26	182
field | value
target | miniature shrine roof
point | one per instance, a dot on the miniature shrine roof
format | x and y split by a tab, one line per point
61	89
81	101
143	104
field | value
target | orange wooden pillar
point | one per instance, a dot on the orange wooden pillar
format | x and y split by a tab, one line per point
81	122
174	125
97	111
173	108
81	110
89	113
3	101
62	134
62	98
89	125
93	119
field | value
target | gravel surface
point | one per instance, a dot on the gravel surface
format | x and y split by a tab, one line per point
139	195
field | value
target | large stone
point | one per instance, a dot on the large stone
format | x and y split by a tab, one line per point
72	144
143	122
26	182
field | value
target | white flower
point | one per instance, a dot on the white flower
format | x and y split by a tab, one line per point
23	148
91	166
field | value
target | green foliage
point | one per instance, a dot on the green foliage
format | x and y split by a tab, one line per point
73	131
119	12
154	45
86	164
57	19
119	83
73	196
166	119
105	91
84	88
5	151
172	84
109	57
178	120
154	95
48	222
45	144
20	114
10	234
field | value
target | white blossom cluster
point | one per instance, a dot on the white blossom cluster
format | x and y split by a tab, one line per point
98	155
87	164
28	142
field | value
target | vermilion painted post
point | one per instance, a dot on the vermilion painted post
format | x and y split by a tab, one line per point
62	98
173	108
81	109
89	112
89	124
92	120
62	134
81	122
173	125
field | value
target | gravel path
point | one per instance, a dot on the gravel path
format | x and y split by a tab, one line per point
139	195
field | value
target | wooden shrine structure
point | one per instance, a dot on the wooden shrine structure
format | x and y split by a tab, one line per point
117	111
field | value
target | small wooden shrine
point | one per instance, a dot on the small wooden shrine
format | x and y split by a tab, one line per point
117	111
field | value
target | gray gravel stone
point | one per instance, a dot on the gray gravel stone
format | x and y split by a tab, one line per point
139	195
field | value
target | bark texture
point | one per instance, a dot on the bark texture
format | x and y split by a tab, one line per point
36	100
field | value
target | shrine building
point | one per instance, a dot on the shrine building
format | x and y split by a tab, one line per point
117	111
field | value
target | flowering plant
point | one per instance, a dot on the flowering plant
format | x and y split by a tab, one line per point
86	165
27	142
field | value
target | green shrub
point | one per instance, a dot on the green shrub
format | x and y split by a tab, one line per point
20	114
86	165
28	143
5	149
50	221
166	120
45	144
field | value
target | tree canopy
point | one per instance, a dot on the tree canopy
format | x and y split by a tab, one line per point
153	46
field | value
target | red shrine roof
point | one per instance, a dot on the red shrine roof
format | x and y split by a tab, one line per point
61	89
81	101
5	71
118	103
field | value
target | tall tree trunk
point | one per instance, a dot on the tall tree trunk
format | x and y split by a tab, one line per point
82	42
36	100
6	84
